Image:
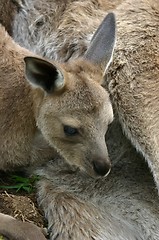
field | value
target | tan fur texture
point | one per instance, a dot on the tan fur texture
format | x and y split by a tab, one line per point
17	110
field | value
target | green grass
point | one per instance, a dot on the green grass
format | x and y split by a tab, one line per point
22	183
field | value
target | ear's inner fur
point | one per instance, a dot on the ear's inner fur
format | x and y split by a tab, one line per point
43	74
103	41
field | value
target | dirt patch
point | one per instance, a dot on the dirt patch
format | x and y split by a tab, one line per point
20	205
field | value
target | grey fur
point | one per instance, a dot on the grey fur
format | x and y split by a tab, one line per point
39	27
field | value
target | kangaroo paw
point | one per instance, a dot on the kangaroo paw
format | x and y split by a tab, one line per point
12	229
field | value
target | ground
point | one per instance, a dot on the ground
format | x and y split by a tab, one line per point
21	205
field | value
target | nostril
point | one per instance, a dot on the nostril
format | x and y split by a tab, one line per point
101	168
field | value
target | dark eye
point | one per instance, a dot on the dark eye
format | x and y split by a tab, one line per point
40	22
70	131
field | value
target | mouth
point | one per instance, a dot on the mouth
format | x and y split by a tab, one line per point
91	173
101	168
92	169
107	173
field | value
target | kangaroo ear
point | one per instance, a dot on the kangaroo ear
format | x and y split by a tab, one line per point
43	74
102	44
20	3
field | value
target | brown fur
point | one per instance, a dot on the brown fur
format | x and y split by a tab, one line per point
18	126
8	10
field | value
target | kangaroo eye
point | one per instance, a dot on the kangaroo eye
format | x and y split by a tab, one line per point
70	131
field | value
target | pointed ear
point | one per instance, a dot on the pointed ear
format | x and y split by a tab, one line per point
43	74
102	44
20	3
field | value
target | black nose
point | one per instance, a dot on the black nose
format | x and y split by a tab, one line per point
101	167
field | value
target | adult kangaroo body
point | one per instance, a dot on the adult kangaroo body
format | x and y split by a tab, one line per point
135	63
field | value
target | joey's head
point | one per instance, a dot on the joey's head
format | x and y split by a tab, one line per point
74	110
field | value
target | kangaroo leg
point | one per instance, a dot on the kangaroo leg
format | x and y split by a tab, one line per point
12	229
